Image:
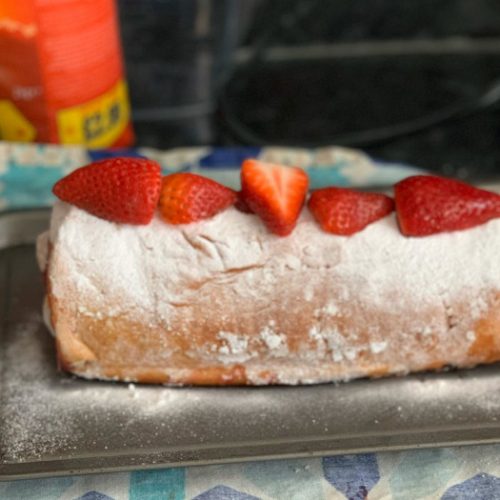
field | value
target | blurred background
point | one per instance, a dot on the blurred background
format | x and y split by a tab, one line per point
413	81
416	81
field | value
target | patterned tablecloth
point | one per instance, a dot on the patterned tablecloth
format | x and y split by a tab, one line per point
27	173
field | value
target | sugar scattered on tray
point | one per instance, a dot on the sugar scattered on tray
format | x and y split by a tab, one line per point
35	421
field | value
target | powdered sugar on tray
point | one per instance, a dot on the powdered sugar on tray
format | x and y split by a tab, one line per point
36	422
46	415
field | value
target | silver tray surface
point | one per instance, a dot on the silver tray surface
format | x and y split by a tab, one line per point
52	423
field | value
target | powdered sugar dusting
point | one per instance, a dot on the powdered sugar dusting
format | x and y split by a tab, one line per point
42	251
271	338
377	347
470	336
133	261
231	265
34	422
234	349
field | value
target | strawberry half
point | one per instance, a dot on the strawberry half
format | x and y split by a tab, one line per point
345	211
188	198
123	190
427	204
275	193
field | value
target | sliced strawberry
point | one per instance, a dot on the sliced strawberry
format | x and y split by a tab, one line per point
275	193
188	198
427	204
345	211
241	204
123	190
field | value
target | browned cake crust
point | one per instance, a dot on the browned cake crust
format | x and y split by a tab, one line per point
120	349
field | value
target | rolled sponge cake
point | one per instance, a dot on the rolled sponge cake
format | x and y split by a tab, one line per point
223	301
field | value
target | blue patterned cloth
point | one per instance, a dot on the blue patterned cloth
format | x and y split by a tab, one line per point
463	473
27	173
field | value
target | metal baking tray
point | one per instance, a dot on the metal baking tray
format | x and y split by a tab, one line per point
52	423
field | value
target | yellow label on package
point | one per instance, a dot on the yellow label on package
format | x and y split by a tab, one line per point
13	124
96	123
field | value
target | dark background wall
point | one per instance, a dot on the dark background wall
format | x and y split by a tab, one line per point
408	80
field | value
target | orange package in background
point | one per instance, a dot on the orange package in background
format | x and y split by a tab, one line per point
61	73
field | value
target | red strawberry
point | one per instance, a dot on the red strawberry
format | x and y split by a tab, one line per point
275	193
241	204
345	211
187	198
123	190
427	204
